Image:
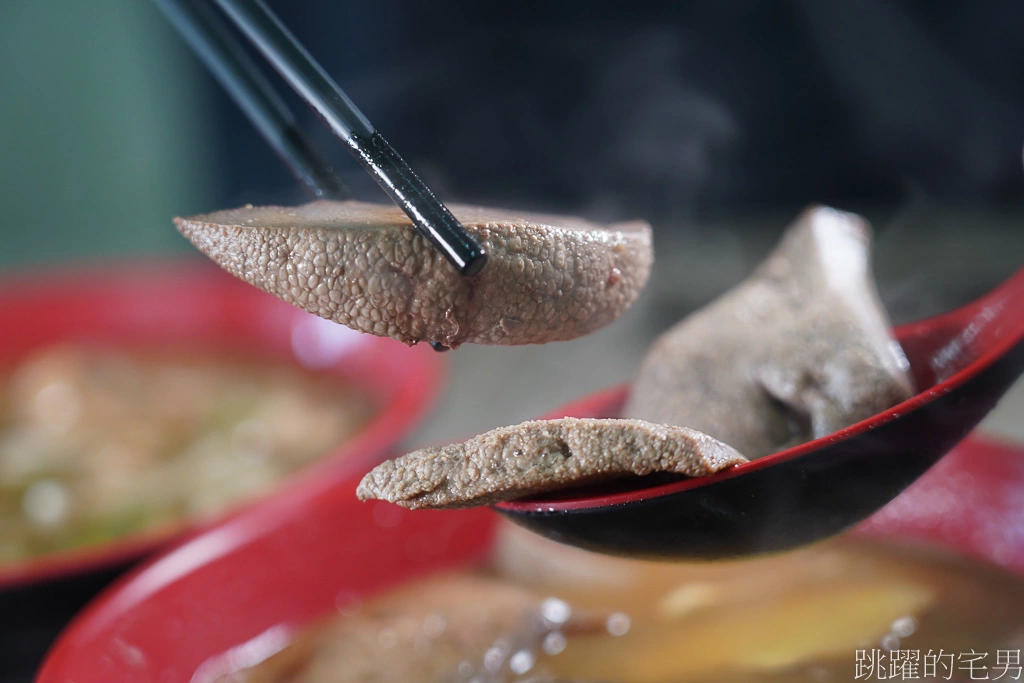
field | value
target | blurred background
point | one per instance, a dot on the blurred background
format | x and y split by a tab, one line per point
717	122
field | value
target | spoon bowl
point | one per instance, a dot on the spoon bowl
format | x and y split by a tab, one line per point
963	361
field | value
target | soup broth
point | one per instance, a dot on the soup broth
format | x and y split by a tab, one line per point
841	611
97	443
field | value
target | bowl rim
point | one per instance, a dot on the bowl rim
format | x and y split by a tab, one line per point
414	393
145	586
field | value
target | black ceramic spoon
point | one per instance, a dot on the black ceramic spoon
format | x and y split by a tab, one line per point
963	361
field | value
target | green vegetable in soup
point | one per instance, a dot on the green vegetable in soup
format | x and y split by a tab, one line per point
96	444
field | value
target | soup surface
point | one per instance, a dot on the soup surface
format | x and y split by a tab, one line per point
841	611
97	443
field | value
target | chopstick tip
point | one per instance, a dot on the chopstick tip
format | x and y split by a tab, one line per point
474	264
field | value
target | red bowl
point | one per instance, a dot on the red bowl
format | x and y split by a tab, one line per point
195	306
256	578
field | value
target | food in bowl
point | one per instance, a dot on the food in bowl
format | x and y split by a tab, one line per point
219	605
544	612
97	442
799	350
547	278
449	620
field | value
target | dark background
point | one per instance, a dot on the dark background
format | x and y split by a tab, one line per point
666	110
678	112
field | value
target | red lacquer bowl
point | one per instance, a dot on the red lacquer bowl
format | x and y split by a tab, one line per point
236	593
192	305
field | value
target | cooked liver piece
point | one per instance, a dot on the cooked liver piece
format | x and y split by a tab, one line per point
538	456
548	278
799	350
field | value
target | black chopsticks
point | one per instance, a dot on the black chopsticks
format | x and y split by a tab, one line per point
211	40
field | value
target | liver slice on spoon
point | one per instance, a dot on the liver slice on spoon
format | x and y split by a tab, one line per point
800	349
